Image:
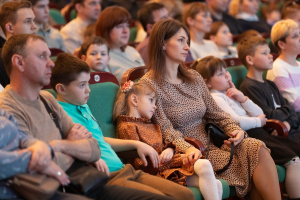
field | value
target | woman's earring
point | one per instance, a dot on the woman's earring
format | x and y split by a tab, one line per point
164	48
135	107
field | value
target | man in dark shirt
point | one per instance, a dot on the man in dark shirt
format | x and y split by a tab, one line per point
218	9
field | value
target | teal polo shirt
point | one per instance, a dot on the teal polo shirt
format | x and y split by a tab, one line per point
83	115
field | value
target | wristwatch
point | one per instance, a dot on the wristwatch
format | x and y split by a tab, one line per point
52	152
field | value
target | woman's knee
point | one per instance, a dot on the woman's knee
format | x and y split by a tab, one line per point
203	167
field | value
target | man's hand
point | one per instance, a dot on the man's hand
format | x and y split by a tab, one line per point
41	156
146	150
102	166
191	155
166	155
237	137
79	132
56	172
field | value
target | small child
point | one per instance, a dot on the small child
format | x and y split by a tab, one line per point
251	118
134	108
221	36
95	52
271	14
286	69
70	80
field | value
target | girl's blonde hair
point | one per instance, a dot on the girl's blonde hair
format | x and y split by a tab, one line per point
121	105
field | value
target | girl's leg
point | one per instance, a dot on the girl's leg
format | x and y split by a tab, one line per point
265	176
206	180
292	178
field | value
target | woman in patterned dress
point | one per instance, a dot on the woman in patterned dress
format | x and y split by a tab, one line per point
183	100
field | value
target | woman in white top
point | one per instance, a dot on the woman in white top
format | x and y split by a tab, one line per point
196	17
221	36
113	25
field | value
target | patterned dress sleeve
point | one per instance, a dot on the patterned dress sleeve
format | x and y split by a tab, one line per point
170	135
213	111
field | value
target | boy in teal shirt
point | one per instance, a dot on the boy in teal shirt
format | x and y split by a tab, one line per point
70	80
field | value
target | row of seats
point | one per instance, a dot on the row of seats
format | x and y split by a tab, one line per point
104	87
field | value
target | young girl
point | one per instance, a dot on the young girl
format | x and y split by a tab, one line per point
134	108
250	116
221	36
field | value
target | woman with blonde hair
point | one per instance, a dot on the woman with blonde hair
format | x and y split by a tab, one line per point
184	100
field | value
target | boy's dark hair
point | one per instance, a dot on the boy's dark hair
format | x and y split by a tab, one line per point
247	46
92	40
208	66
145	13
8	12
67	68
77	1
248	33
16	44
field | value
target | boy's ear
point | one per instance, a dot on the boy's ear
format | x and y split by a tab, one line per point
133	99
9	27
249	60
83	57
281	45
60	88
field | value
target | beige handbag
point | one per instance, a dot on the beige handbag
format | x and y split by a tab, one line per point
34	186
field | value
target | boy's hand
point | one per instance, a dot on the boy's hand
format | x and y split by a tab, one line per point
235	93
263	119
237	137
146	150
166	155
79	132
102	166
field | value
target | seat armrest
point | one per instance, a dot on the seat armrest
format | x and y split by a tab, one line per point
279	126
196	143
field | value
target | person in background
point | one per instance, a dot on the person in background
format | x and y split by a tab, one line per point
51	35
221	36
291	10
88	12
271	14
148	15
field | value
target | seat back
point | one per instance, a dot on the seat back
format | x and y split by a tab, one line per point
133	74
238	73
101	101
56	16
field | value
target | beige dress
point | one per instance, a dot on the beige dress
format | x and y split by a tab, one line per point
179	113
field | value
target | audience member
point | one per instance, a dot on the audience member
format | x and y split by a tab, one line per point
245	11
51	35
2	35
148	15
221	36
116	32
196	17
89	31
250	116
285	73
133	110
264	92
95	52
132	6
174	8
218	10
73	32
184	100
291	10
271	14
16	17
70	81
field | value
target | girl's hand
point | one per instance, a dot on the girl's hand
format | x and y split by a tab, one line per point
237	137
235	93
102	166
191	155
166	155
263	119
144	150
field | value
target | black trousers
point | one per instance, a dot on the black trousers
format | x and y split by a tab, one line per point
282	149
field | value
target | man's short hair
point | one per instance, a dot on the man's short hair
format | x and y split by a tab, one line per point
281	30
33	2
77	1
17	44
247	46
192	10
145	13
289	9
67	68
8	12
92	40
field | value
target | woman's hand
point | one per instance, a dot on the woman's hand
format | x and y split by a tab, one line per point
237	137
235	93
191	155
146	150
56	172
102	166
166	155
